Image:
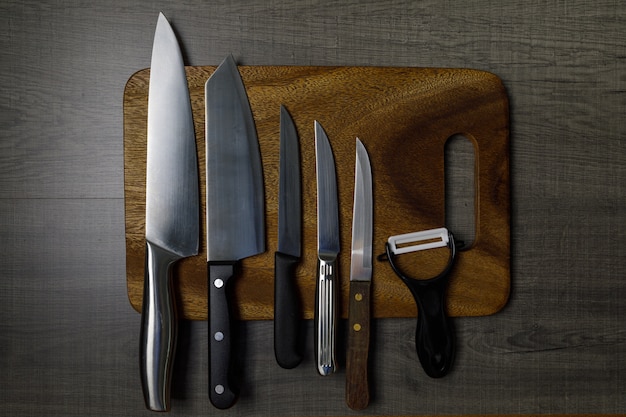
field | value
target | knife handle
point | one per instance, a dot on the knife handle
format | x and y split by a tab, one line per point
158	328
287	321
434	336
357	386
326	315
221	390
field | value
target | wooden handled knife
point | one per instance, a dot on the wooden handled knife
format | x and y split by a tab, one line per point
357	384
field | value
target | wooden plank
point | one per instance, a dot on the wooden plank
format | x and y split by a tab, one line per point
404	116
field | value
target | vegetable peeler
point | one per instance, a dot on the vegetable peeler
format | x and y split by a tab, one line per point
434	336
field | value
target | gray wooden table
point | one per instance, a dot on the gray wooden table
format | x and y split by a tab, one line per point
68	336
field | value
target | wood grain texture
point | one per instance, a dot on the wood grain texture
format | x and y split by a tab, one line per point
68	335
405	117
358	346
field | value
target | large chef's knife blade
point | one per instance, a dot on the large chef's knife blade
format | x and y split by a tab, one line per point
287	323
327	250
235	211
172	210
357	386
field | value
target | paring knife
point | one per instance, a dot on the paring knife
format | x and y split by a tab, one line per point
357	386
172	210
235	211
327	283
287	321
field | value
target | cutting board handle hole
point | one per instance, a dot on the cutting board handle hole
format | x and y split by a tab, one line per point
460	189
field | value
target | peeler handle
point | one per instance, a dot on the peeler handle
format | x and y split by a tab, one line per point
434	336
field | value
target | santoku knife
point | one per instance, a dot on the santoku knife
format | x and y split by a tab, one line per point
327	250
235	211
172	210
357	386
287	321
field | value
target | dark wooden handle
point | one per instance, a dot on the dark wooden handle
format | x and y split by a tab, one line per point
357	385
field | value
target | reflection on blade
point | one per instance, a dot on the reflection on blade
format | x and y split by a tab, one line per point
235	200
327	210
361	265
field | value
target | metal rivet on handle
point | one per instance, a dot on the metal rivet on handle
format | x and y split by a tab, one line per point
218	283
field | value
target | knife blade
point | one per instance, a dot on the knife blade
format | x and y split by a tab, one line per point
235	212
357	385
327	251
172	210
287	322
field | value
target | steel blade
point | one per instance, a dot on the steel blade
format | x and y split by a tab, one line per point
362	219
172	192
172	211
289	195
327	206
235	199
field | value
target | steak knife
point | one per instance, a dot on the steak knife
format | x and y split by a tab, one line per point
287	322
327	251
172	210
235	212
357	386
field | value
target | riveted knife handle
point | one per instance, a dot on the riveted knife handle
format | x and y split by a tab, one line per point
357	385
221	390
158	328
434	336
326	315
287	321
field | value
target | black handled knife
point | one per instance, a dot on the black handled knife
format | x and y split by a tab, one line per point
287	320
235	212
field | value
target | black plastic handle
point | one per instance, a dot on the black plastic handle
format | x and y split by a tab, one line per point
222	391
434	336
287	314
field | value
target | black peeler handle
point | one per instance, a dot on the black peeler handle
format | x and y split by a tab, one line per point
434	337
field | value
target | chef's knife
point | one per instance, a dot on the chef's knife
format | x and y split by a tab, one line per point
357	386
327	283
287	323
172	210
235	211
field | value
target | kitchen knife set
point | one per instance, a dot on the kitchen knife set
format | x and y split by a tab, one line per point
236	230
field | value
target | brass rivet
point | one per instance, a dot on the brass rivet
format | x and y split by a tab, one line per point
357	327
358	296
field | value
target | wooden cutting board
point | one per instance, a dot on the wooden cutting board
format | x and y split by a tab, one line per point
404	116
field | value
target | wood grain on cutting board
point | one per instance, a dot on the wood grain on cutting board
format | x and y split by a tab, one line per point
404	116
